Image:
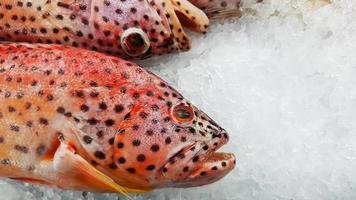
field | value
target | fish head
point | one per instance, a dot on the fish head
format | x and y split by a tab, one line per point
171	143
193	160
142	28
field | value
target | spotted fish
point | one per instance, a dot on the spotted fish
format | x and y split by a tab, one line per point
126	28
78	119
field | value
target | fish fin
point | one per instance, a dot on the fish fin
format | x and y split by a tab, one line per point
220	13
219	9
190	16
176	26
31	180
72	166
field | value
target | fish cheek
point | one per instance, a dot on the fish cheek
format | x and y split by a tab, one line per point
128	161
99	149
138	161
138	151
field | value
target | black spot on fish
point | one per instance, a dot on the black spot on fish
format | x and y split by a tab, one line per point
100	155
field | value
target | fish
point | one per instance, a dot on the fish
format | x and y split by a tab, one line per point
131	29
77	119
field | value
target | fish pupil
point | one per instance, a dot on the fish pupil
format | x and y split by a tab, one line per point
135	41
183	114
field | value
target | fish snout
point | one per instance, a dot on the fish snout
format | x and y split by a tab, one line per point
198	163
210	165
218	139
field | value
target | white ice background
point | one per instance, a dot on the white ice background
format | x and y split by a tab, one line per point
282	81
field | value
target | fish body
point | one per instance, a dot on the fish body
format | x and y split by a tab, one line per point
126	28
78	119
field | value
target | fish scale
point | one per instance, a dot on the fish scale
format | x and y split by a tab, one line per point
77	119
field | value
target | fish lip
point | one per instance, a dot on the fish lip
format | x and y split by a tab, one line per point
211	158
217	142
225	161
175	156
206	158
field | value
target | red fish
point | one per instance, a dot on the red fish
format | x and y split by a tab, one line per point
78	119
126	28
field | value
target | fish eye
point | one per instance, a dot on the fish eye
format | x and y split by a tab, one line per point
134	42
183	113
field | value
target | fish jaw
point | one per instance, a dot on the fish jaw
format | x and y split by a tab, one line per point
199	164
216	166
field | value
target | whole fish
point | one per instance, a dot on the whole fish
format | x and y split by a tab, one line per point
126	28
78	119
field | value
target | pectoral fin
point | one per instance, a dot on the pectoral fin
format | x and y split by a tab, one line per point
190	16
79	174
219	9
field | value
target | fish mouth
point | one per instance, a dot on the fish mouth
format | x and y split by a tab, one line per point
200	163
213	168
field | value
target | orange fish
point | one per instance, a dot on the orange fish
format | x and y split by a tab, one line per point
78	119
126	28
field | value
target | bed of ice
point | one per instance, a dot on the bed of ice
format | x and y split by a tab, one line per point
282	81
